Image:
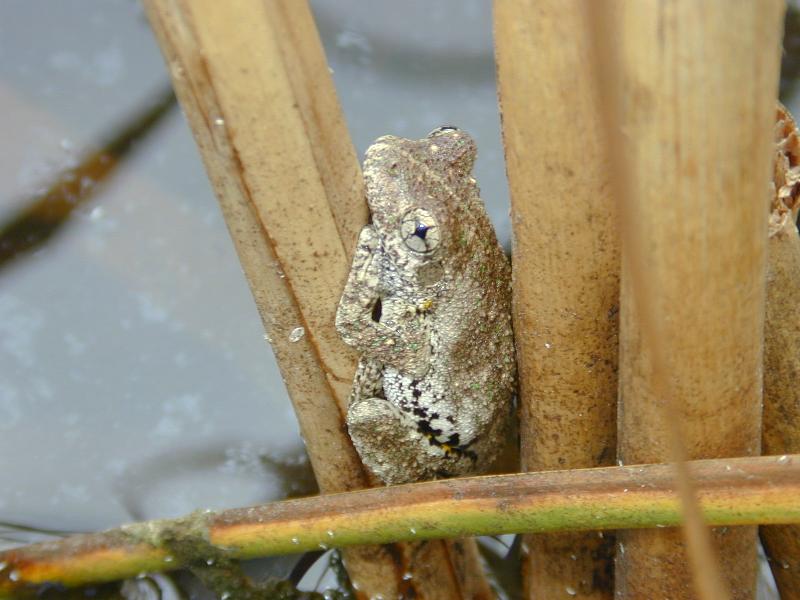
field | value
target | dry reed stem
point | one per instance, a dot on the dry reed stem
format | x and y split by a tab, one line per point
688	91
566	272
730	492
781	426
253	81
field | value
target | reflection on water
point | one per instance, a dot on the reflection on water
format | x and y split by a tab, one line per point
41	217
151	587
168	484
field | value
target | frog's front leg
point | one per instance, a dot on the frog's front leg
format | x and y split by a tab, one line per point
355	315
382	327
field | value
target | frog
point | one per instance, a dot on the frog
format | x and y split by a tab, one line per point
427	305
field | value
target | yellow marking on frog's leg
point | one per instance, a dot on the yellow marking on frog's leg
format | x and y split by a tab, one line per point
448	449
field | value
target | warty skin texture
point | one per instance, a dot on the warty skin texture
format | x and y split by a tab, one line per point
428	305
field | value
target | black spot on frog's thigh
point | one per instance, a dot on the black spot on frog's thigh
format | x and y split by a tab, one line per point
425	417
424	426
377	311
451	446
453	440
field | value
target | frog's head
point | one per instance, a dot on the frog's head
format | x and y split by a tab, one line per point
419	192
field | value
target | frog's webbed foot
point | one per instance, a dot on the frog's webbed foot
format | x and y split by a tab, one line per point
392	444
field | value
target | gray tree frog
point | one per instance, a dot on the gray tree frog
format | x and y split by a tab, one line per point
428	305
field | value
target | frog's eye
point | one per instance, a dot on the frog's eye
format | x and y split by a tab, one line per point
419	230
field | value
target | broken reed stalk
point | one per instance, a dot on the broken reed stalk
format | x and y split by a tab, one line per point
781	427
566	273
253	81
730	491
688	91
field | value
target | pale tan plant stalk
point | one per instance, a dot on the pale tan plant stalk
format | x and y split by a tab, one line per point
782	342
566	272
254	84
688	92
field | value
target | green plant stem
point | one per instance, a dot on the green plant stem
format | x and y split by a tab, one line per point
735	491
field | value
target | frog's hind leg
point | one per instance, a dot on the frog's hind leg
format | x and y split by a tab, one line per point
388	441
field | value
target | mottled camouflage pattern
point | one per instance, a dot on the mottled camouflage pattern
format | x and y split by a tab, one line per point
427	304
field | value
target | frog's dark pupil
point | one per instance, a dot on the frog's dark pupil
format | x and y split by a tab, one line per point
421	231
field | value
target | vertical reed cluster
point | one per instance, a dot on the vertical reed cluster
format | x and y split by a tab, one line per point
253	81
566	272
685	156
